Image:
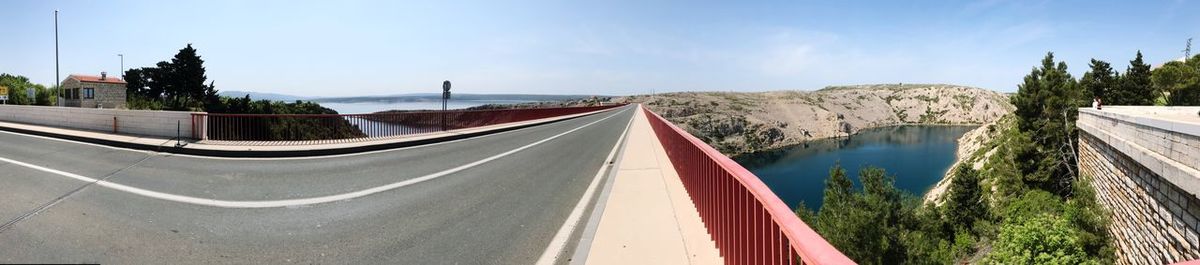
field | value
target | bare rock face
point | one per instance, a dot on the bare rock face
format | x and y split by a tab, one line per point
736	122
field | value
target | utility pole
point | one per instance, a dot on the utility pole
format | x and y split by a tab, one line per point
57	81
122	71
1187	50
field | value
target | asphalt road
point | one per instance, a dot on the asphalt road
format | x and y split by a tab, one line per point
502	211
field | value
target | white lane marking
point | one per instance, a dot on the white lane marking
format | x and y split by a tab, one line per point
290	202
168	154
559	242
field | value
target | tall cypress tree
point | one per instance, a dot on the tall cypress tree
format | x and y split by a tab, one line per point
1100	79
1135	87
188	83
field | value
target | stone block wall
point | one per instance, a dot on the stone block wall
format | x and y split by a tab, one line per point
1153	221
110	96
1143	166
107	95
131	122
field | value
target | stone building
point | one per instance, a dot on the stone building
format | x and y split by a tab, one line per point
88	91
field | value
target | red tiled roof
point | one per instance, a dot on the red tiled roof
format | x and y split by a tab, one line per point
96	79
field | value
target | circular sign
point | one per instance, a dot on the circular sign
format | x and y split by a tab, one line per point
446	85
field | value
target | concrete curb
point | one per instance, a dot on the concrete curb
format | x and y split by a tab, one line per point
284	153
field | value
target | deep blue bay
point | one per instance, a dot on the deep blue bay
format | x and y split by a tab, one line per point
916	155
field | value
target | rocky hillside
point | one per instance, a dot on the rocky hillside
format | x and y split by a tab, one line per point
736	122
975	149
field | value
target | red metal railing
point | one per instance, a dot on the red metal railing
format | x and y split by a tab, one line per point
749	224
319	127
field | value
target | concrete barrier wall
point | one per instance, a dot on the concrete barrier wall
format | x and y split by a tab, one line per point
1142	162
131	122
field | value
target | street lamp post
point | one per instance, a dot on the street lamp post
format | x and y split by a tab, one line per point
57	81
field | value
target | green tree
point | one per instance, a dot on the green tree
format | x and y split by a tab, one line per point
186	88
1135	86
176	85
1098	80
17	88
1179	82
1042	239
137	83
863	225
1090	220
45	96
1047	103
964	202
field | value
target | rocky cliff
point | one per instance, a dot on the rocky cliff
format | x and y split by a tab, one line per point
738	122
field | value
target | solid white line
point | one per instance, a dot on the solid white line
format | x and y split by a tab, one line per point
559	242
168	154
291	202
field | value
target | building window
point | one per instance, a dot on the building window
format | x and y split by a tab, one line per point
89	93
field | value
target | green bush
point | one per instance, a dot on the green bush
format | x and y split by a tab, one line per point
1032	204
1042	239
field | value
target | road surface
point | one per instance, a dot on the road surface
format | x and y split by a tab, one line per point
496	199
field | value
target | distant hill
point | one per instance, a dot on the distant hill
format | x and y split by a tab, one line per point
429	97
261	96
741	122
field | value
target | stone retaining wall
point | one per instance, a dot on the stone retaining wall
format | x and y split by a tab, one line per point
132	122
1142	162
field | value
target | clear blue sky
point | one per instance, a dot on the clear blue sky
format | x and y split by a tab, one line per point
345	48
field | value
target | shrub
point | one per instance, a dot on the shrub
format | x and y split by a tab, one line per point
1042	239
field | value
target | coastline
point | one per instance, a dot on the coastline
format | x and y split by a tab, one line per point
856	132
968	146
917	155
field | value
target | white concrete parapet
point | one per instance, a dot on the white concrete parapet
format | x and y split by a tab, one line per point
1165	140
134	122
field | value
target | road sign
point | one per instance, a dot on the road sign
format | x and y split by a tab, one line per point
445	97
4	93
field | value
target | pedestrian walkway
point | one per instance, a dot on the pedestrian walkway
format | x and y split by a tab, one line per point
649	218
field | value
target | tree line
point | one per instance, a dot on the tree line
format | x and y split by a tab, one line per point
18	91
1176	83
179	84
1026	204
173	85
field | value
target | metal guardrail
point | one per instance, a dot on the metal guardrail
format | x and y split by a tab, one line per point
749	224
337	127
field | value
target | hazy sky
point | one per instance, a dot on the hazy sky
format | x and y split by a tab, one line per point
345	48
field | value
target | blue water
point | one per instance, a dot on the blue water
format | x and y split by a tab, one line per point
917	155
